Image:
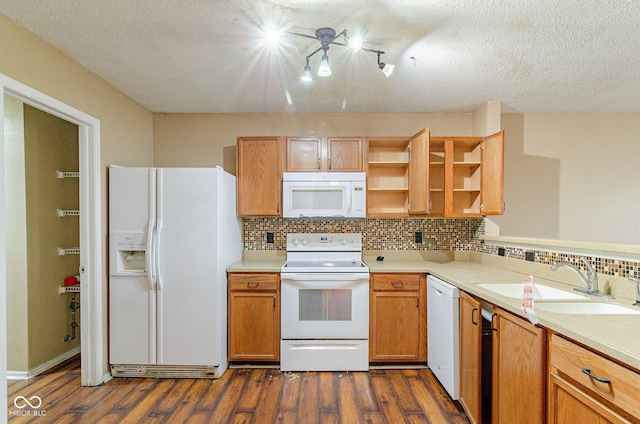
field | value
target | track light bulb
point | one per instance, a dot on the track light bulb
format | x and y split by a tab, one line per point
306	74
324	70
355	43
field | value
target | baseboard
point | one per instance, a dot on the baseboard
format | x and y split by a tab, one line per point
25	375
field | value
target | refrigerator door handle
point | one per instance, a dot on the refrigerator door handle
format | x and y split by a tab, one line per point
156	254
149	254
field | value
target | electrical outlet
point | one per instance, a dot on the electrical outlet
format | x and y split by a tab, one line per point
530	256
270	238
418	237
501	251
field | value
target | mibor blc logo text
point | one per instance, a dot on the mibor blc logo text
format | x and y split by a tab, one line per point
28	406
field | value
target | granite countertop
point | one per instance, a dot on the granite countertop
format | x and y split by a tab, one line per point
617	336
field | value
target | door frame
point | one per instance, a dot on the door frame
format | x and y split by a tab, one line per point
91	299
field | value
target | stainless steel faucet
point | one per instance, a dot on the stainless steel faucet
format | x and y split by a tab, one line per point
590	282
636	281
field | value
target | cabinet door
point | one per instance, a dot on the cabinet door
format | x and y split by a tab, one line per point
304	154
254	317
493	174
259	175
419	173
519	371
398	327
344	154
471	357
569	405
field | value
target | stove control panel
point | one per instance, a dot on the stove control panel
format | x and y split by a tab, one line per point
324	242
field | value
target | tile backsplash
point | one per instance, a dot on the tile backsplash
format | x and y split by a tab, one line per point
377	233
399	234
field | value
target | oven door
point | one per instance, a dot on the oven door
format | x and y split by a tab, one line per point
325	305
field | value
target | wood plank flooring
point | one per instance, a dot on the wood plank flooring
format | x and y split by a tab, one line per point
246	395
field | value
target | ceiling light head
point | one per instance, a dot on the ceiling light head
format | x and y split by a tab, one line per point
272	37
386	69
306	74
324	70
355	43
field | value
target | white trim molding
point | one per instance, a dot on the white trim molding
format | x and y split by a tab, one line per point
25	375
91	300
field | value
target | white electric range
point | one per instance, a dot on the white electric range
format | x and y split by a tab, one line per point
325	303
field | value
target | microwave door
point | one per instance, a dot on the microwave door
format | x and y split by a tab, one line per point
311	200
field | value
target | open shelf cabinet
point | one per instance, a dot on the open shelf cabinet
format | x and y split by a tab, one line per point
387	176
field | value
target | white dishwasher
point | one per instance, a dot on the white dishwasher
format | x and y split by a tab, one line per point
443	333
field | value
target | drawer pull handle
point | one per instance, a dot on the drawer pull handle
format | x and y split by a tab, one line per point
601	380
253	283
397	283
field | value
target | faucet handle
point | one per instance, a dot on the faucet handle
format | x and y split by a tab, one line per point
592	276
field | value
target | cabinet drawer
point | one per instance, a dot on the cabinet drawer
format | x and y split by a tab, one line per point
408	282
622	386
257	282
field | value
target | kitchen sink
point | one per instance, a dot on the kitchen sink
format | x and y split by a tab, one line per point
587	308
540	292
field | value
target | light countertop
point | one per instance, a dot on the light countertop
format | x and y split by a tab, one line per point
617	336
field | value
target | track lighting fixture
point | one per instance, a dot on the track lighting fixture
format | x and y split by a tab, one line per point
326	37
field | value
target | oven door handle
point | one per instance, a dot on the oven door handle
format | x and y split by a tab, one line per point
325	276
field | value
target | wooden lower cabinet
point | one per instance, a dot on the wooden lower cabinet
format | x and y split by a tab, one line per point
519	370
254	317
585	387
398	318
568	404
471	357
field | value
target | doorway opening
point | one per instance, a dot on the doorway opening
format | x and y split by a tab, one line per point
90	229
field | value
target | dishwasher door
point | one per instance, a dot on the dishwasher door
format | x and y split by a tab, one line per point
443	333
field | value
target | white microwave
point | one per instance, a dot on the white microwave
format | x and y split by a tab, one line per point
324	194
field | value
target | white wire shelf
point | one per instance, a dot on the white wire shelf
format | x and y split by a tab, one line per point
68	251
68	174
67	212
69	289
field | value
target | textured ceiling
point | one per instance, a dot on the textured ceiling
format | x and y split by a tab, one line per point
450	56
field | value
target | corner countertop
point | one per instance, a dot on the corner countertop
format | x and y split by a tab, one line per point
617	336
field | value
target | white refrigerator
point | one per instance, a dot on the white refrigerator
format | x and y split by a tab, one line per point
172	234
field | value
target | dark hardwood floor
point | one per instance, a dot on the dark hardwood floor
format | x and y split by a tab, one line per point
246	395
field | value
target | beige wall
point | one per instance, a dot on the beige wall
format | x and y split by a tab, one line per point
200	139
126	127
572	177
51	144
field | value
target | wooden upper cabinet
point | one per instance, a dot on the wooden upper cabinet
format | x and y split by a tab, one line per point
259	176
466	175
304	154
324	154
387	169
419	173
493	174
344	154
